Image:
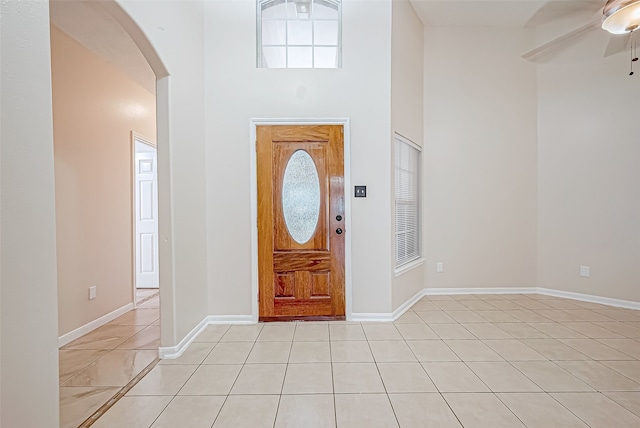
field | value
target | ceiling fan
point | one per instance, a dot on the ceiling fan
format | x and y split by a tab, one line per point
621	18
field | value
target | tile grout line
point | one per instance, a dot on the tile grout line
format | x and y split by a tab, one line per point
121	393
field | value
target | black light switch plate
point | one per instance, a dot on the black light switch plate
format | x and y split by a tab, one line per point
361	191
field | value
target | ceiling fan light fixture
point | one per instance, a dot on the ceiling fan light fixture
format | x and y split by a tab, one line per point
621	16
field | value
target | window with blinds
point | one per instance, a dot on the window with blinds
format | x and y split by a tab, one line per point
407	199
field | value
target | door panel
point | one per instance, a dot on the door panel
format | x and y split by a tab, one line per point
298	277
146	201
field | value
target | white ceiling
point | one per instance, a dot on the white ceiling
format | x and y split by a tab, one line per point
505	13
92	26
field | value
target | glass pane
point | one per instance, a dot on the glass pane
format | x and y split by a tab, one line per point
274	33
274	9
324	10
325	33
301	196
297	7
326	58
274	57
300	58
299	32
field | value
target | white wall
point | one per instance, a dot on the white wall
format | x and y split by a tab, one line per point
237	91
480	158
407	117
589	179
29	370
175	30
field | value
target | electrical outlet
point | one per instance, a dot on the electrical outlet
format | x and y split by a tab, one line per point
92	292
439	267
585	271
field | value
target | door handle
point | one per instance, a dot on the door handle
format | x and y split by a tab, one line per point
339	231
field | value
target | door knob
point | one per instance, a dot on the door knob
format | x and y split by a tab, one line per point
339	217
339	231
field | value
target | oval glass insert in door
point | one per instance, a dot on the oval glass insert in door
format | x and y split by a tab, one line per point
301	196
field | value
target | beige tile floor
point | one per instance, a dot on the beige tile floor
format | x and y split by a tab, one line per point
451	361
98	365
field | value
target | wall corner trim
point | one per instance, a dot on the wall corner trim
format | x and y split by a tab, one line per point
173	352
89	327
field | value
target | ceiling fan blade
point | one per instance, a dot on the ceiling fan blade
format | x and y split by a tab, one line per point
560	42
617	43
553	10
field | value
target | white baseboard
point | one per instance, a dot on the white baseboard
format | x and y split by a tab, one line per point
373	317
89	327
172	352
627	304
175	351
407	305
492	290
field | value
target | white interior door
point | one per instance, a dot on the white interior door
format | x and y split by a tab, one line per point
146	201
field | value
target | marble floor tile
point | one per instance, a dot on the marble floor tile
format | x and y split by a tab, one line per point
622	328
432	350
116	368
626	346
553	349
454	377
190	411
473	350
164	380
310	352
364	410
486	330
255	411
409	317
260	379
211	380
229	353
312	378
628	400
599	376
277	333
148	338
346	332
630	369
481	411
595	350
513	350
308	411
71	361
357	378
140	316
425	410
311	333
77	403
270	352
416	331
242	333
106	337
391	352
435	317
597	410
405	377
351	352
502	377
381	332
539	410
551	377
133	412
520	330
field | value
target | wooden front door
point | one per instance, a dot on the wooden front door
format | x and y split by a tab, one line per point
301	226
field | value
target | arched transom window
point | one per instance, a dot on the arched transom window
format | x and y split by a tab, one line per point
299	33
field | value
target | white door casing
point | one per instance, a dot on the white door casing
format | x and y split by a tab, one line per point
146	215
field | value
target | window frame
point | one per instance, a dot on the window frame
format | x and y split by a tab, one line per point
260	46
415	258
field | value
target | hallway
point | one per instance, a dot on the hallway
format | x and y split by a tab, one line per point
95	367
